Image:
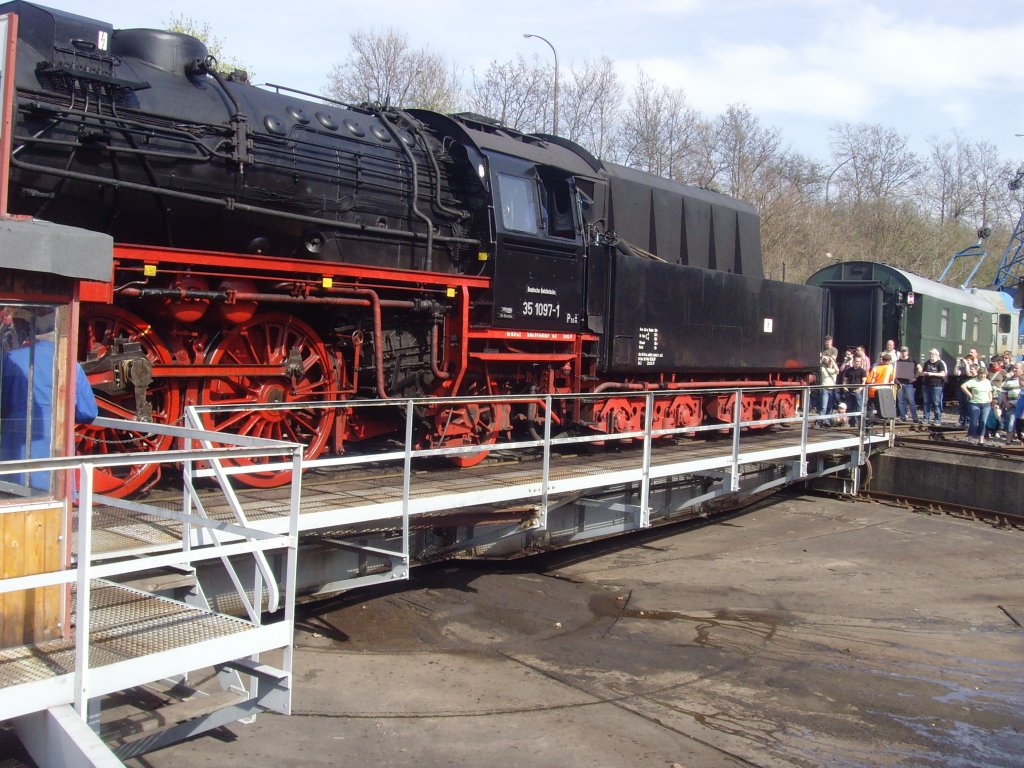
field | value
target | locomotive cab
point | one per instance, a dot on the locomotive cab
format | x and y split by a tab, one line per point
539	248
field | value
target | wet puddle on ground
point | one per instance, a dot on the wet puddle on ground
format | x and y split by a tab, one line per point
762	623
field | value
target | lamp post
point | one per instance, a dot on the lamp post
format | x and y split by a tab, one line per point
829	180
554	119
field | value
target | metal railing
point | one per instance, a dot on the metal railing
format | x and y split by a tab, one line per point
547	442
202	537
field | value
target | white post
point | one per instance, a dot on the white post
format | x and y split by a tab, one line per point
82	591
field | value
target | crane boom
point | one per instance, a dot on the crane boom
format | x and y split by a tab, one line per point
1008	274
976	251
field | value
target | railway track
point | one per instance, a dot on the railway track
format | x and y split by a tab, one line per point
950	440
1006	520
958	443
953	442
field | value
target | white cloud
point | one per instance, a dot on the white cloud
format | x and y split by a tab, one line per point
917	54
765	77
958	111
848	65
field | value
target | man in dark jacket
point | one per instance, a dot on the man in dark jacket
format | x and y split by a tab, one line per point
852	381
933	378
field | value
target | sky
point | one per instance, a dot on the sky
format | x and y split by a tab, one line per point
925	68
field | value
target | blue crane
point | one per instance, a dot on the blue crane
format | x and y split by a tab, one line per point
1008	274
975	251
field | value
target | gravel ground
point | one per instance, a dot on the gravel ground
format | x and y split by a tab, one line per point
805	631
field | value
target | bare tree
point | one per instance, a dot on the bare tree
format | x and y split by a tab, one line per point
946	185
660	132
988	179
515	93
590	107
874	162
382	67
749	152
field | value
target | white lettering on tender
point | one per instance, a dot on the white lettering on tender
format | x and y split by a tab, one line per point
647	346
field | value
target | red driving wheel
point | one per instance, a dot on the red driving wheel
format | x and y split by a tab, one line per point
275	338
101	326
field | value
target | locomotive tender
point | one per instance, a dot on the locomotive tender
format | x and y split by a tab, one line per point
276	247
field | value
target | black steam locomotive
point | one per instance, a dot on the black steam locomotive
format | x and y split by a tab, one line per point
371	251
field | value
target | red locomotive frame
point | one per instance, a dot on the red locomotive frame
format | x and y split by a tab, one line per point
151	347
260	350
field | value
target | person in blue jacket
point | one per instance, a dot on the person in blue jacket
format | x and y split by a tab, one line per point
15	441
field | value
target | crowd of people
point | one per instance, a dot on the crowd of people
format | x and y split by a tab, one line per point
990	406
847	381
989	397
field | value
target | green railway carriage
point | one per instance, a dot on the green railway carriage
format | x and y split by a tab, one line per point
869	303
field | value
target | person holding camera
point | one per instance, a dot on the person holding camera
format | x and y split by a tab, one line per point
933	379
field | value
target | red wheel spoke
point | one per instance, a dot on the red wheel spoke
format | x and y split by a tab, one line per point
306	420
114	410
310	362
250	426
268	340
252	354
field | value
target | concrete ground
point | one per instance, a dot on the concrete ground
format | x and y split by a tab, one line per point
806	631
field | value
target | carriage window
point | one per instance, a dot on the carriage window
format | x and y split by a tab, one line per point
944	323
963	326
518	203
27	375
974	327
1004	323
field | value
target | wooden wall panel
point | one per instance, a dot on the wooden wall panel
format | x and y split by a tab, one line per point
31	541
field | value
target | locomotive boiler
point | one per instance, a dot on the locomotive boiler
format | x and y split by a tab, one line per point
279	247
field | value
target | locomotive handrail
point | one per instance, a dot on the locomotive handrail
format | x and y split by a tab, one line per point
194	499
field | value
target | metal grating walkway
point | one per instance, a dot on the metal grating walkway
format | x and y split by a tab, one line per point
126	624
339	497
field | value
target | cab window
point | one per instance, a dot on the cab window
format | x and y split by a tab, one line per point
559	205
518	204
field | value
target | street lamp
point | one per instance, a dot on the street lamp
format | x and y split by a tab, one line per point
829	179
554	119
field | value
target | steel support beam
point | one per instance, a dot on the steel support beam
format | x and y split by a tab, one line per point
59	737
